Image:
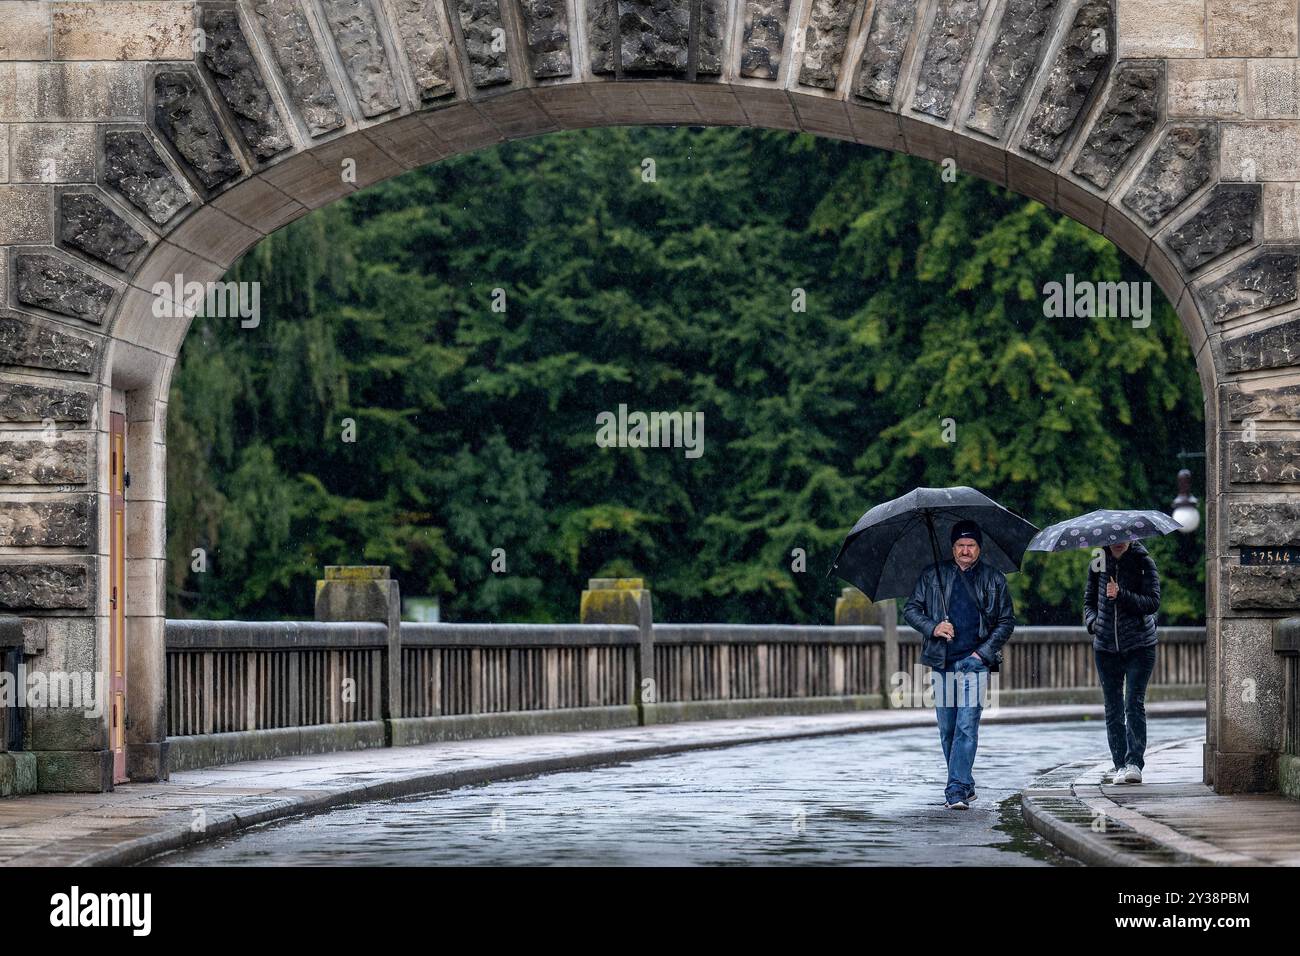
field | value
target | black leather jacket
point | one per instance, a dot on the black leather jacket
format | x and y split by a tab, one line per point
924	611
1129	621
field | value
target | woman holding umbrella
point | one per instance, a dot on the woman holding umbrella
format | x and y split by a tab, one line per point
1120	602
1119	611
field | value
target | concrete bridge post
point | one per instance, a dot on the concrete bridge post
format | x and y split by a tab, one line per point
368	593
627	601
855	609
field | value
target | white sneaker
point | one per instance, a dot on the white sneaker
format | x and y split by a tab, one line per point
959	805
1113	775
1132	774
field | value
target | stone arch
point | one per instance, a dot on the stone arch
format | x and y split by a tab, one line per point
150	139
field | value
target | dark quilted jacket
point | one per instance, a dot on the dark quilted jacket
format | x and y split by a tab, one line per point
1129	621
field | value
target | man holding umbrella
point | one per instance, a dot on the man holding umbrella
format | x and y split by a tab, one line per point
961	607
963	612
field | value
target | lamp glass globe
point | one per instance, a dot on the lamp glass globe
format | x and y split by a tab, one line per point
1189	517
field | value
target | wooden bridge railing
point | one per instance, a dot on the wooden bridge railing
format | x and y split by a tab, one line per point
241	690
453	669
241	676
225	676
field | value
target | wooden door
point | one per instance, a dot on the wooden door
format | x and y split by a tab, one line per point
117	594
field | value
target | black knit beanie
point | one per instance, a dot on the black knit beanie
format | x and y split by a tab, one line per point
967	529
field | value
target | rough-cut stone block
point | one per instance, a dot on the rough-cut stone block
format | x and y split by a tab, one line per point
300	63
37	345
59	461
26	34
1020	35
25	214
1275	461
88	225
52	283
182	115
4	154
1267	280
1266	587
485	47
1161	28
891	25
1226	221
546	30
1273	89
133	167
1127	118
1277	346
1083	55
45	524
1207	88
1255	152
764	38
950	40
1250	27
53	153
44	586
134	30
238	78
421	32
36	403
1281	211
1258	524
356	34
65	729
86	92
1281	403
600	34
74	771
654	35
713	18
824	39
1181	164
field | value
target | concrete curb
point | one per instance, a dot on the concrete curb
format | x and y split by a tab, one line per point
1063	806
174	831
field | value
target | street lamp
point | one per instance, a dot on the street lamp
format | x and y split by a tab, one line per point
1185	511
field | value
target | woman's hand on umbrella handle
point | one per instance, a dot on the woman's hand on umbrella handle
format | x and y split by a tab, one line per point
944	630
1112	589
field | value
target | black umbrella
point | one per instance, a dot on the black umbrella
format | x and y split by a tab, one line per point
894	542
1099	528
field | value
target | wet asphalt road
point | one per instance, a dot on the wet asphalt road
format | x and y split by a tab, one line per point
870	798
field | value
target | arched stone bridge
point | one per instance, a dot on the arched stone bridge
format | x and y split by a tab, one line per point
142	140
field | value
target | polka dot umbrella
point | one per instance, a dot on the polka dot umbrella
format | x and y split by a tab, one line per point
1097	529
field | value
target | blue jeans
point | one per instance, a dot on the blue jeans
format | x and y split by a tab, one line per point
958	702
1126	713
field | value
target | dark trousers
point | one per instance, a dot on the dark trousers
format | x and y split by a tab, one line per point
1126	710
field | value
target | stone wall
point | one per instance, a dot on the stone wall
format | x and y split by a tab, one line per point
145	139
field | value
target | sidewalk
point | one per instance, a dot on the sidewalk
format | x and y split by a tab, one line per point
137	821
1171	818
